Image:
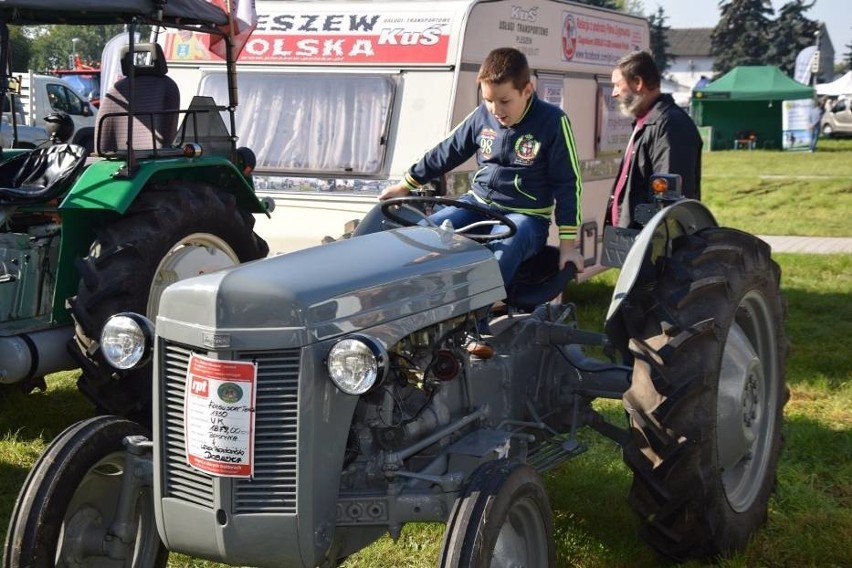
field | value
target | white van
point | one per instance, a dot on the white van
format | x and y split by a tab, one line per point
43	94
340	98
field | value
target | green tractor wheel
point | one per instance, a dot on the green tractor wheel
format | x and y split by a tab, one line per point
170	233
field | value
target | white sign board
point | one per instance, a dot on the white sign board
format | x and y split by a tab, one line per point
219	416
796	124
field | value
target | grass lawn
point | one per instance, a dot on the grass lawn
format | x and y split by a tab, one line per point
768	192
810	518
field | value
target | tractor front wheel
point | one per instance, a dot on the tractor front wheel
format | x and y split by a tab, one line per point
707	394
170	233
65	512
503	519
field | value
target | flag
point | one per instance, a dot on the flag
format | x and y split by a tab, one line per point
802	74
242	16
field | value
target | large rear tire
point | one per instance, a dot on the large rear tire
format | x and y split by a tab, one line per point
171	232
503	519
707	394
68	502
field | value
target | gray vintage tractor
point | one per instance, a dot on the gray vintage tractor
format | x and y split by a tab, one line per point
84	237
308	403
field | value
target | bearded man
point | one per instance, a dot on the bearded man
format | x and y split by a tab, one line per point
665	140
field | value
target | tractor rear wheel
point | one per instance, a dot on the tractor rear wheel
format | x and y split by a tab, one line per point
503	519
66	508
171	232
707	394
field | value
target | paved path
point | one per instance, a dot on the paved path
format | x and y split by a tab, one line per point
811	245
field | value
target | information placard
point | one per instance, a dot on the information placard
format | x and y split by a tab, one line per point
219	416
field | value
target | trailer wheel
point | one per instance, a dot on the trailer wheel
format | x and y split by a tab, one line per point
69	499
503	518
171	232
707	394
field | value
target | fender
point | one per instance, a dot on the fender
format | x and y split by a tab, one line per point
99	193
683	217
100	188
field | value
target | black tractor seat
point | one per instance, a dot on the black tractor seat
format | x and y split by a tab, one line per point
538	280
40	175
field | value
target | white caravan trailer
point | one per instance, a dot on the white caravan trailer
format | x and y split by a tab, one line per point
340	98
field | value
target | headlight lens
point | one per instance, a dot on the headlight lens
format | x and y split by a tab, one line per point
127	340
356	364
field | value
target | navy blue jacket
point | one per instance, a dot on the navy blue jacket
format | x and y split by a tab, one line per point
523	168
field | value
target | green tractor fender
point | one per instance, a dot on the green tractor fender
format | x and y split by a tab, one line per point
102	187
102	194
683	217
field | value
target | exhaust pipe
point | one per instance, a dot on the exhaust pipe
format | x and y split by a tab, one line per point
35	354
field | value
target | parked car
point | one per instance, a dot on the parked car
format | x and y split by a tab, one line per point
838	120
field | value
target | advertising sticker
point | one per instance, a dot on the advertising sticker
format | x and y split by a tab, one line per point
598	40
219	416
363	35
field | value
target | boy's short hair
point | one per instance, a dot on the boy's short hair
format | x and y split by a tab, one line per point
640	64
503	65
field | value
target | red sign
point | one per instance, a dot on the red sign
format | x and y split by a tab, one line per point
315	37
391	47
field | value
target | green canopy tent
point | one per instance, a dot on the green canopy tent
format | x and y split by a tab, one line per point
746	99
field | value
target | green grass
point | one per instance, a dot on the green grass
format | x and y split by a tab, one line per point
769	192
810	518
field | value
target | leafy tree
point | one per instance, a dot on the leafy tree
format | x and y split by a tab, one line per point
659	39
634	7
21	46
611	4
53	45
742	36
848	56
791	32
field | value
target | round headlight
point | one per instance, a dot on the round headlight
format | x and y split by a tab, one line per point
127	340
356	364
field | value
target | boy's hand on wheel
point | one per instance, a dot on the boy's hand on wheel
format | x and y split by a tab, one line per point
391	191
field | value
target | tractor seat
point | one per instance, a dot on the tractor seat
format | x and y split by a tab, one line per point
156	104
538	280
40	175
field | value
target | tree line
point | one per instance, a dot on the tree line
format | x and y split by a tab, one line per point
746	33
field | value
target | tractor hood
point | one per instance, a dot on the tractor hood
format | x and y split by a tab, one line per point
418	274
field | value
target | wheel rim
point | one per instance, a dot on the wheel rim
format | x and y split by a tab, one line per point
523	537
198	253
747	401
90	514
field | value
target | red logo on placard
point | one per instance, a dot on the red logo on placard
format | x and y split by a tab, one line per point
199	387
569	37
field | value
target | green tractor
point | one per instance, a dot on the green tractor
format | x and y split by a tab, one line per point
165	195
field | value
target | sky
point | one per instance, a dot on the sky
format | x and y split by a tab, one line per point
836	14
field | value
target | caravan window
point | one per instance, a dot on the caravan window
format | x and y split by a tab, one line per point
310	122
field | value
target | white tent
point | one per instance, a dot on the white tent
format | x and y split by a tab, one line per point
838	87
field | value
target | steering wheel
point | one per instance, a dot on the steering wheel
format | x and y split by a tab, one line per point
391	207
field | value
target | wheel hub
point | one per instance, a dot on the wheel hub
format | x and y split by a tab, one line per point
746	402
82	536
199	253
519	543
